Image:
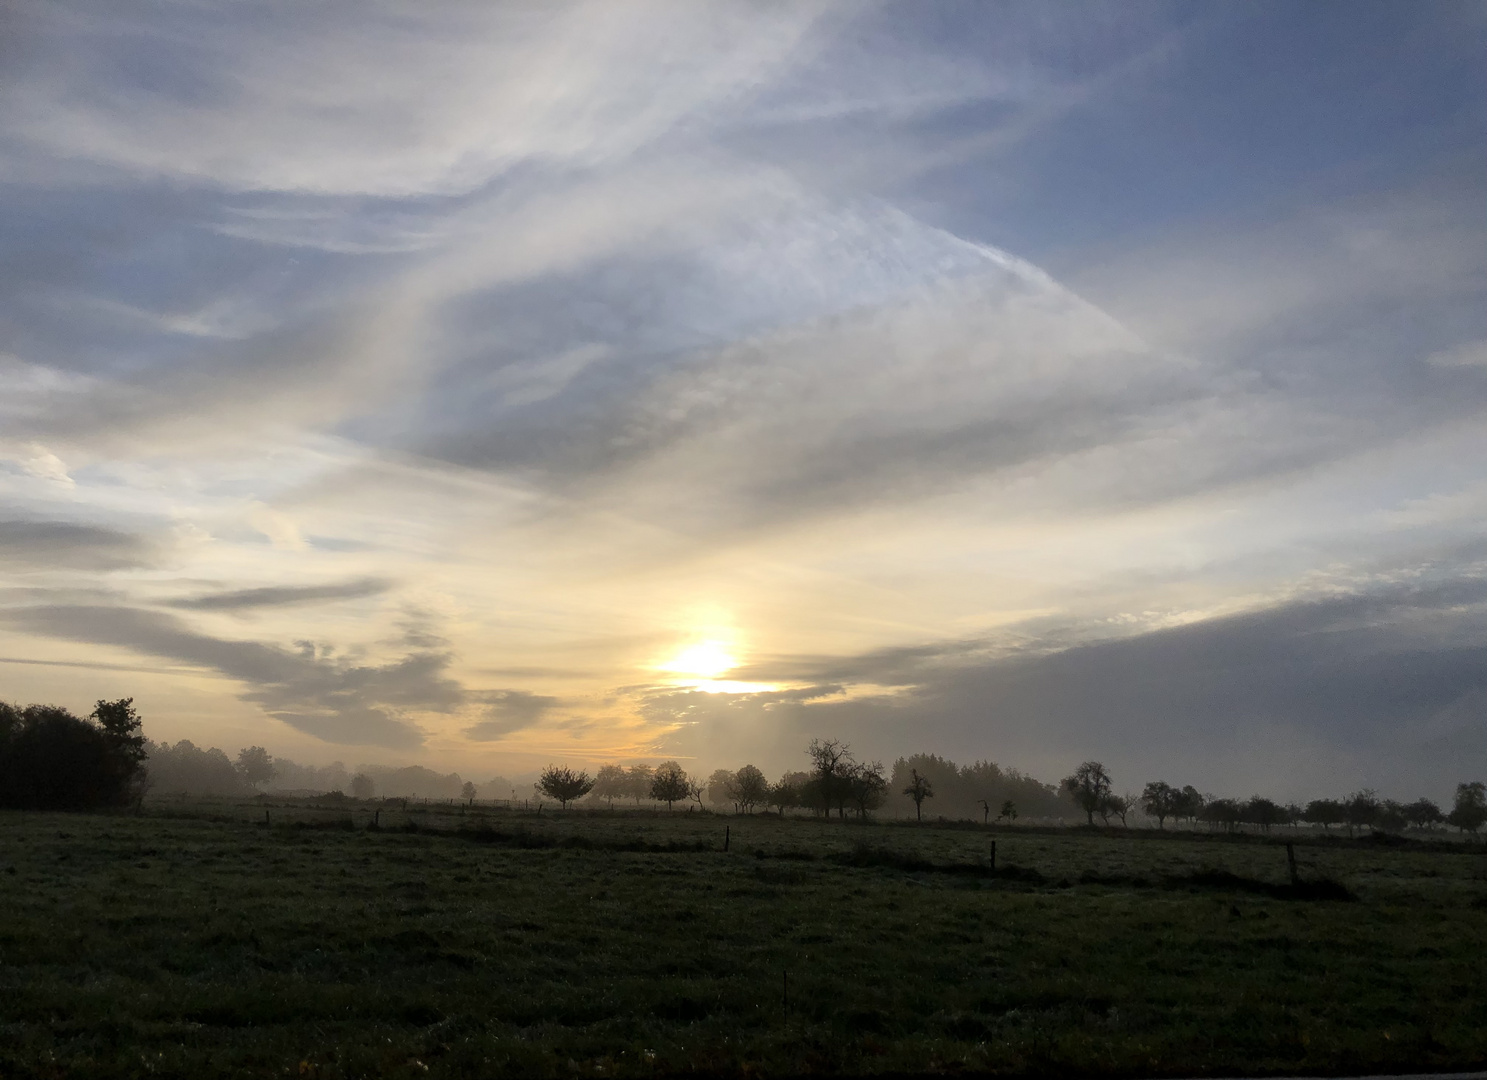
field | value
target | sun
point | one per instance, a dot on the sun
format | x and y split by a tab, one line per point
705	660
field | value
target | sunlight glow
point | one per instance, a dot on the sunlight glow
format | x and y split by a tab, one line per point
705	660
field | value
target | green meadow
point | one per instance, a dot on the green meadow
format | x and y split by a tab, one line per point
199	939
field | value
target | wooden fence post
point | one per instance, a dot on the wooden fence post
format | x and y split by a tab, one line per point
1291	861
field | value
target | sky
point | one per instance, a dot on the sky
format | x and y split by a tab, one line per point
487	385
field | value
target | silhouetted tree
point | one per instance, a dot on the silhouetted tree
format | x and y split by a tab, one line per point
467	790
1189	804
1423	814
51	759
1470	812
1119	805
1089	787
1323	812
186	768
1161	800
831	770
562	783
638	782
610	783
1262	812
919	789
1361	810
1225	812
719	789
362	786
783	794
866	787
696	789
748	788
1008	811
669	784
255	766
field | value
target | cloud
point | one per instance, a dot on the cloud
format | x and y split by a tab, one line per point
63	545
509	711
284	595
1380	688
332	699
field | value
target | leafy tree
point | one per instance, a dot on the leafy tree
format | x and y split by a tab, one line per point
610	783
255	766
186	768
919	789
1391	817
53	760
362	786
1262	812
1323	812
562	783
1470	812
467	791
669	784
748	788
1119	805
1189	804
1161	800
1361	810
1089	786
1225	812
784	794
1008	811
719	791
638	782
1423	814
866	787
831	768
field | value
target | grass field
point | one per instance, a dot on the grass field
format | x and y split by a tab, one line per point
194	939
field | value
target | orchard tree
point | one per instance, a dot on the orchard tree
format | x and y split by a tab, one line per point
783	795
1423	814
562	783
1089	787
610	783
831	769
467	791
1160	800
638	782
1470	812
919	789
867	786
669	784
747	788
255	766
1323	812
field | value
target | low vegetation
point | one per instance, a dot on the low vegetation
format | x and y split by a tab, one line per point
333	938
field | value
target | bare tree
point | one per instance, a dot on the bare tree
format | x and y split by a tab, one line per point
562	783
1089	786
919	789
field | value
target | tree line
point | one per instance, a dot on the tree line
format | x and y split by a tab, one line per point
1091	789
52	759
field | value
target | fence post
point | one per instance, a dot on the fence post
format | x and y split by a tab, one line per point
993	854
1291	861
